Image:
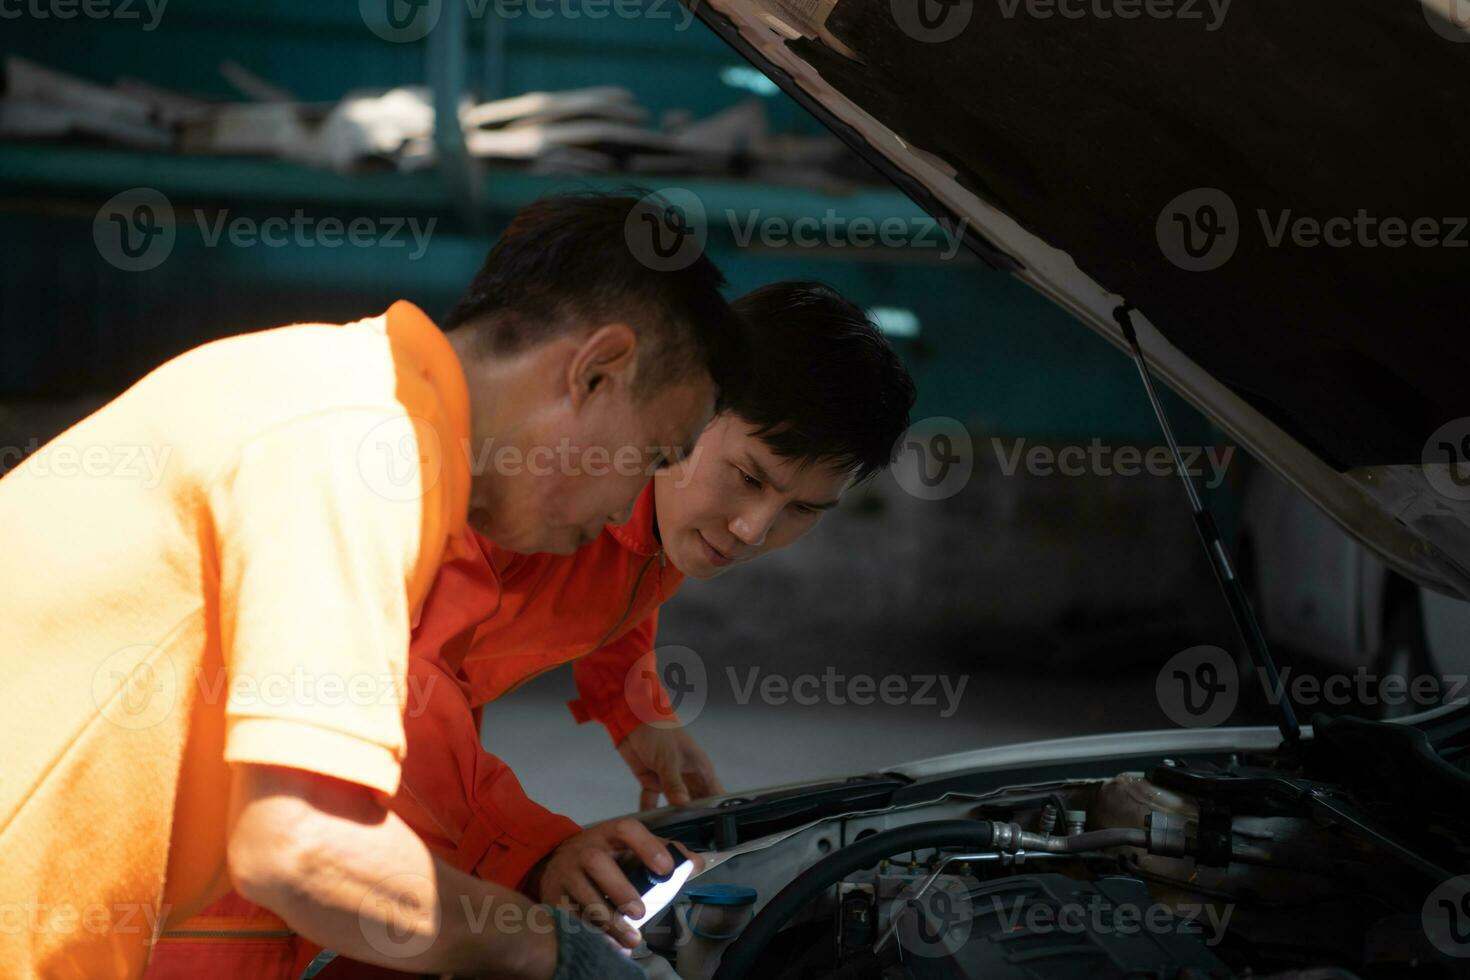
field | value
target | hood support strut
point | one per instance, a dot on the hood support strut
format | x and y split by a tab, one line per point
1209	535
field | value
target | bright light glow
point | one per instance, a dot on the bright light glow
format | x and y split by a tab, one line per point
746	77
895	321
660	895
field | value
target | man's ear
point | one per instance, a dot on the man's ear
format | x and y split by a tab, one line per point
606	359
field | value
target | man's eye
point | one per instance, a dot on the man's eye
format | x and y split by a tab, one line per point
750	481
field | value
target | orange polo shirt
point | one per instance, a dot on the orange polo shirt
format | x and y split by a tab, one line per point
494	620
219	566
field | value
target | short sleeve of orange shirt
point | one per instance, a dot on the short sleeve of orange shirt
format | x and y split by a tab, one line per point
220	566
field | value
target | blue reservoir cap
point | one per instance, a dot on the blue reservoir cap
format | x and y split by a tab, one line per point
720	894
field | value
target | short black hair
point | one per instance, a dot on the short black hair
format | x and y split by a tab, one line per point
828	387
565	264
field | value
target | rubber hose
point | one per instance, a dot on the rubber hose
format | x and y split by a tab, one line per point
742	954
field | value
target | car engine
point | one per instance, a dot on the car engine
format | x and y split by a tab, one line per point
1342	856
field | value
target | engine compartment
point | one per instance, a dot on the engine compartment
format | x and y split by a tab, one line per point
1341	856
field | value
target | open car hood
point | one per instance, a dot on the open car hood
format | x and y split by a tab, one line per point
1077	150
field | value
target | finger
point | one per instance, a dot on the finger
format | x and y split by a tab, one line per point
651	850
706	769
611	881
597	912
648	795
702	782
674	789
694	856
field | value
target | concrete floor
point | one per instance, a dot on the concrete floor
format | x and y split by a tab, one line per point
573	769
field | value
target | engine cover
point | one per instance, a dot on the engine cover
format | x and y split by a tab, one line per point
1051	927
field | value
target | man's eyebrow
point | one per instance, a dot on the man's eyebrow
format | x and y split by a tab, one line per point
760	474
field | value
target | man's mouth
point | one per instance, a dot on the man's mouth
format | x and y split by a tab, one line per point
714	555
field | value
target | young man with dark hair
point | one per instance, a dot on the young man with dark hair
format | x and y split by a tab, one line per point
826	407
317	475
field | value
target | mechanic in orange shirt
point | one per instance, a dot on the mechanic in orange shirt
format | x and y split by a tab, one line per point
823	414
185	650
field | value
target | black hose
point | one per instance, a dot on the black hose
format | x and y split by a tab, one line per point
742	954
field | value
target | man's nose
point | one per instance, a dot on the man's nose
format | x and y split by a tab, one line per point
752	526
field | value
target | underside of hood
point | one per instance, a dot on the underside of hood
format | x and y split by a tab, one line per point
1177	155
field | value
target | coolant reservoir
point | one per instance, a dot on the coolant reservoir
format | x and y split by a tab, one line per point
711	921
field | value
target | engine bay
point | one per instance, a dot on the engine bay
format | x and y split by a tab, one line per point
1340	856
